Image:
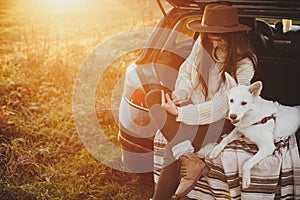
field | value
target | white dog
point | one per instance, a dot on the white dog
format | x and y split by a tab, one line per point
259	120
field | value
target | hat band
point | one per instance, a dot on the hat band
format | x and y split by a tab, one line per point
218	26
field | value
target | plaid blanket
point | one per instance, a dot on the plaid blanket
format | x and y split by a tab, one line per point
275	177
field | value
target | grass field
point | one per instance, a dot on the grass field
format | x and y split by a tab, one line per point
43	45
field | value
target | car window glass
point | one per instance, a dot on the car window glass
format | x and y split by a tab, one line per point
181	38
185	30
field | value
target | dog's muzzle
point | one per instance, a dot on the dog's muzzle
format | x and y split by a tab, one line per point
233	119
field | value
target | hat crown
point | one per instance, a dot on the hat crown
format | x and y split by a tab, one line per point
220	15
218	18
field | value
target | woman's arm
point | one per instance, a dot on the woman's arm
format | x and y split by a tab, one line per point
245	71
216	108
188	71
204	113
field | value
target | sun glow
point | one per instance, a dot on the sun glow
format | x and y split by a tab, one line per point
61	2
62	6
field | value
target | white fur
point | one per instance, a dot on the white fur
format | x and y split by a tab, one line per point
246	107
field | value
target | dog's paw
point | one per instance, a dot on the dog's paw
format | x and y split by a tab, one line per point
246	180
215	152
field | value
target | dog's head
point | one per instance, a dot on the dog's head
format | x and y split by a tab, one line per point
240	98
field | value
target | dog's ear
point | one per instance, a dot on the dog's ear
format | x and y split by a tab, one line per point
255	88
230	82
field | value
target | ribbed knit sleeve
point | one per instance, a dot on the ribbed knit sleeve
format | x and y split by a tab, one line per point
245	72
204	113
188	75
216	108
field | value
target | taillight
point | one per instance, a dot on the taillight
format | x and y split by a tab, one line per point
138	97
135	96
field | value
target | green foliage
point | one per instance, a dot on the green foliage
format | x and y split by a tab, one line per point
41	154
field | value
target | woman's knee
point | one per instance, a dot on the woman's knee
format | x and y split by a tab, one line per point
153	97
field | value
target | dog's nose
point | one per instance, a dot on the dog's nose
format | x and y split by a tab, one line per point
233	116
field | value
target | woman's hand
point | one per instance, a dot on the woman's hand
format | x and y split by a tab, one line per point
179	96
168	104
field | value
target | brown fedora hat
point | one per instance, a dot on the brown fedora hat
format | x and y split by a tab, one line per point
218	18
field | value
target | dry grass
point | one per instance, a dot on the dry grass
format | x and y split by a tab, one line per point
41	51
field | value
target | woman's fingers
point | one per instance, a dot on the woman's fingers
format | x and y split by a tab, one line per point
168	104
179	96
175	99
163	100
169	101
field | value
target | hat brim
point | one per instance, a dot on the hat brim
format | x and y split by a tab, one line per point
196	25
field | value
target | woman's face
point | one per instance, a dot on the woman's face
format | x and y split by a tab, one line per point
217	41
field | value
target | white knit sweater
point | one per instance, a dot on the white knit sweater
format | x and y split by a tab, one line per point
215	107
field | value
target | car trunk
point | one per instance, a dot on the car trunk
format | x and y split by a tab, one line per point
255	8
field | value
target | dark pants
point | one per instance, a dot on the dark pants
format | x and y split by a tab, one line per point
298	139
176	132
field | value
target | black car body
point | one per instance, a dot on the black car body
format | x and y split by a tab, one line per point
278	64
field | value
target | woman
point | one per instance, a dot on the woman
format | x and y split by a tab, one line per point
221	47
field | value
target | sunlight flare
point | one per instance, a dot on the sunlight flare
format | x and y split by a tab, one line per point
62	6
61	3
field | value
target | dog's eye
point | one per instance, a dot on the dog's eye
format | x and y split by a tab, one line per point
231	100
243	103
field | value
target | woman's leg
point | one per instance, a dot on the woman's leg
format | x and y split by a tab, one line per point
298	139
164	121
193	171
169	178
167	182
174	132
210	133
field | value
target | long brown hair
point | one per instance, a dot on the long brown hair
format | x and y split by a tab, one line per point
238	47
